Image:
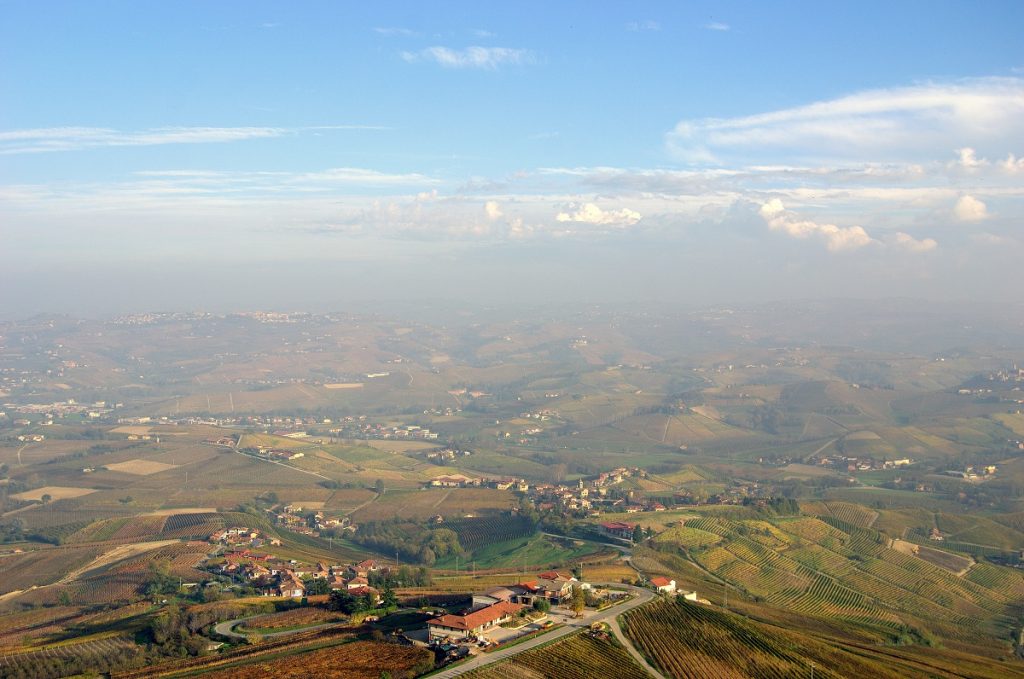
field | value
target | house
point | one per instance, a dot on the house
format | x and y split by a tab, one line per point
663	585
458	627
454	481
292	587
619	529
553	586
367	566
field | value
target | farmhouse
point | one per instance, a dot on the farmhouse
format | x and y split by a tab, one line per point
664	585
292	587
458	627
618	529
454	481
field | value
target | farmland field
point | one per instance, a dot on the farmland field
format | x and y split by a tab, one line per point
55	492
140	467
691	641
357	660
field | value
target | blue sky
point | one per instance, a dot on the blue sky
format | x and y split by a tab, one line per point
877	142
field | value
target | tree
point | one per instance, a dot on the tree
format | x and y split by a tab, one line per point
46	498
316	586
541	604
578	601
427	556
388	594
638	533
341	600
379	486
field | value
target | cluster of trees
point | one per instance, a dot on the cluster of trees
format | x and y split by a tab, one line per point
159	580
350	604
405	576
412	541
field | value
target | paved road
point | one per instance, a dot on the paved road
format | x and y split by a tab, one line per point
642	596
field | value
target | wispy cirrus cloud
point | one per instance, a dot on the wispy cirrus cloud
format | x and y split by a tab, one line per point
646	25
394	32
901	124
718	26
487	58
50	139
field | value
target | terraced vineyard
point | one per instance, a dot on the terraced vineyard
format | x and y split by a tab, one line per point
100	655
853	514
581	656
479	531
691	641
830	569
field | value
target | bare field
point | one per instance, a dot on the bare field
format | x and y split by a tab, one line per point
137	430
55	493
344	385
140	467
183	510
401	446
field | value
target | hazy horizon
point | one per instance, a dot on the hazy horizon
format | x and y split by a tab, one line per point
234	156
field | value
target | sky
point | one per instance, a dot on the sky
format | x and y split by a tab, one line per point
334	154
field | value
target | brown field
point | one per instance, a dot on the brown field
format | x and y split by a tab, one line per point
183	510
137	430
140	467
401	446
344	385
309	504
358	660
55	493
307	615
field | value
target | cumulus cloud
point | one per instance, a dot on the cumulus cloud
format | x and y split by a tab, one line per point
970	209
590	213
1012	164
489	58
493	210
836	238
907	242
969	160
901	124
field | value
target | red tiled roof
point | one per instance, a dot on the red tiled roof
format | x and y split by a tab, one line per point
476	618
660	581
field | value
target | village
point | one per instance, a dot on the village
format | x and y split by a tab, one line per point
470	623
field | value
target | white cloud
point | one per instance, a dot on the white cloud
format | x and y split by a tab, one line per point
48	139
493	210
589	213
1012	164
72	138
836	238
484	34
718	26
907	242
970	209
901	124
394	31
489	58
646	25
969	160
